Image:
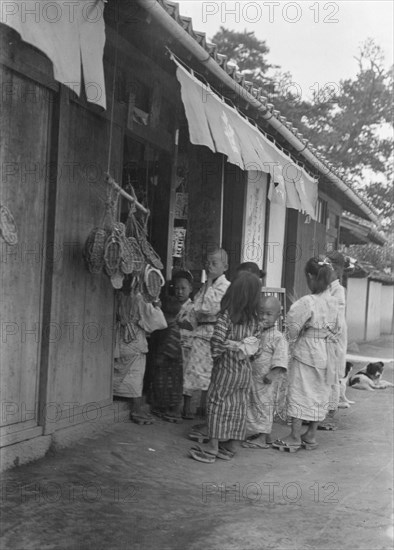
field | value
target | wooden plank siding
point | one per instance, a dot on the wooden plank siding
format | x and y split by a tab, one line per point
82	303
235	182
25	120
205	201
306	238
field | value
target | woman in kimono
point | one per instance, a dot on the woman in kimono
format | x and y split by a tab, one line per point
313	328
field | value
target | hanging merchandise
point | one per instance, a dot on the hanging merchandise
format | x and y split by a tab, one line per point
94	249
153	280
140	233
8	228
97	241
117	280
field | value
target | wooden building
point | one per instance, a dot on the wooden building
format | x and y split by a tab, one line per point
56	147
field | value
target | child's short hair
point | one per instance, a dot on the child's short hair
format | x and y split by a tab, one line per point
221	251
170	306
252	268
183	274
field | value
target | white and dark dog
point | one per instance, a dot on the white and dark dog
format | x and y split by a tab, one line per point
344	402
370	378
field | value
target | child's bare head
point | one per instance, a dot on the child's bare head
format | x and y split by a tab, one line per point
216	263
183	285
269	310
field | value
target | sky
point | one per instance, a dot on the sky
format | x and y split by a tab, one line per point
315	41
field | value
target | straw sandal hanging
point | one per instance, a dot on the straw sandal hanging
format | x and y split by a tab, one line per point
8	229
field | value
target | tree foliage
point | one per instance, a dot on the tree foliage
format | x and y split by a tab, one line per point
350	123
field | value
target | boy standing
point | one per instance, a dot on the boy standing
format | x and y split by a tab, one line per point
206	309
268	369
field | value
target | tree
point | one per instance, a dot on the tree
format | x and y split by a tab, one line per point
350	123
346	123
246	51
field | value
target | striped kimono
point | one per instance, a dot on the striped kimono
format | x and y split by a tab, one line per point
228	392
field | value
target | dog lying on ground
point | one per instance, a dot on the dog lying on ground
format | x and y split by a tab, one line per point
370	378
344	402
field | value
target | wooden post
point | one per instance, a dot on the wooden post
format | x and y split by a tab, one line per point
171	216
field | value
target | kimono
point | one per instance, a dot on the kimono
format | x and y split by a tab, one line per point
263	398
205	311
338	292
186	314
167	382
228	393
313	328
132	347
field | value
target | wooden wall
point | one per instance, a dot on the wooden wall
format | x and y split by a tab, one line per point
57	360
235	182
205	204
25	120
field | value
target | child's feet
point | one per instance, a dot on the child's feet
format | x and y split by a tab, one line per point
259	442
289	443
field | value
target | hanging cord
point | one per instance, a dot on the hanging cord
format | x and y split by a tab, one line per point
113	98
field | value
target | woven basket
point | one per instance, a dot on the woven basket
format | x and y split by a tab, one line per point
8	228
119	228
153	280
112	254
132	258
150	254
117	280
94	249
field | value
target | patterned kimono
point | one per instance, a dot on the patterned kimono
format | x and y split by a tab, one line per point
313	328
206	309
167	381
186	314
228	392
263	398
130	360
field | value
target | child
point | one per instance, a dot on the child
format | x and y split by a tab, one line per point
251	267
183	287
337	261
199	432
233	340
205	310
167	380
130	353
268	368
313	328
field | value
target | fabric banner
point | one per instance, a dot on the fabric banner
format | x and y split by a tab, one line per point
224	130
70	34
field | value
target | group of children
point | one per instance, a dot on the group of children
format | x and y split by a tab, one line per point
225	343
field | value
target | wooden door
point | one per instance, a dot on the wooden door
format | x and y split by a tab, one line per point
25	120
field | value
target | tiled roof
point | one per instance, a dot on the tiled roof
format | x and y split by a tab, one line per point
172	9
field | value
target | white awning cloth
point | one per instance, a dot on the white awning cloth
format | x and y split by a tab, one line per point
224	130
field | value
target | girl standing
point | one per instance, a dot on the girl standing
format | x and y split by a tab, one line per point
234	340
313	329
337	261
